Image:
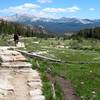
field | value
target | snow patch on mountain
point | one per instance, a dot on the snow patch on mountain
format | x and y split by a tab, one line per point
57	25
31	18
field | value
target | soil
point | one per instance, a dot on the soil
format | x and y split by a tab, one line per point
67	91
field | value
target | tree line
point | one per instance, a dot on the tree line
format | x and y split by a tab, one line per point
89	33
24	30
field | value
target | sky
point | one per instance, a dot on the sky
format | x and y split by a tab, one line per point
89	9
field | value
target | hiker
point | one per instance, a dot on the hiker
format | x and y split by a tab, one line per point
16	38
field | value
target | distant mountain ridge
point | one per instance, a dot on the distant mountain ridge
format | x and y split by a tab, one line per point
60	26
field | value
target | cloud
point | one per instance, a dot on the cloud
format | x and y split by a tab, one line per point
60	10
30	5
72	9
25	8
92	9
47	15
44	1
54	10
34	9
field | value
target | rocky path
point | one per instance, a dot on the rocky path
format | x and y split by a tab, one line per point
17	79
20	85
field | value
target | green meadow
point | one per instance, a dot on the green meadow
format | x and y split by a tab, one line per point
80	64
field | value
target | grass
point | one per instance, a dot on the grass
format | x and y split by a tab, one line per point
85	78
47	84
4	40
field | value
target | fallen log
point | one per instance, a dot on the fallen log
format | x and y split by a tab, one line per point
33	54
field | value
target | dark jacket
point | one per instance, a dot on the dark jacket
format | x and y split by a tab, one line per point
16	37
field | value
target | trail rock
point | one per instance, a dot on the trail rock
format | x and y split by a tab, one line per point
35	92
38	98
9	52
35	85
17	79
6	85
16	65
3	93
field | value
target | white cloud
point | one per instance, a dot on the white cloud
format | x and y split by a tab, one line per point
34	9
92	9
59	10
47	15
30	5
54	10
44	1
72	9
25	8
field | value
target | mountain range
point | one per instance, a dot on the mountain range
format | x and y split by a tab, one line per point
60	26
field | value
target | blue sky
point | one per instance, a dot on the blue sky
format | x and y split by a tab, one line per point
52	8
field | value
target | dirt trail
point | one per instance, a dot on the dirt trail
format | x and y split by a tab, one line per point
67	91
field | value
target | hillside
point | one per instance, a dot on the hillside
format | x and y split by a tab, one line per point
7	27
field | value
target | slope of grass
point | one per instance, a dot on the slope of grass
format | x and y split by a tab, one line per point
84	77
